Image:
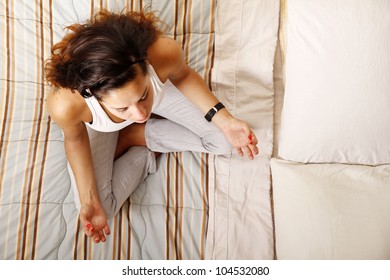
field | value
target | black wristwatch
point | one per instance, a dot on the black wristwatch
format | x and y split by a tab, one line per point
210	114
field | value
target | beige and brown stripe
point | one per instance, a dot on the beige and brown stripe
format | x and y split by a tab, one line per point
166	218
26	134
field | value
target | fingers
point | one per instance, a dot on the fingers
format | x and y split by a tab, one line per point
240	152
107	230
247	151
253	149
89	230
249	146
86	225
250	151
102	236
96	237
98	233
252	139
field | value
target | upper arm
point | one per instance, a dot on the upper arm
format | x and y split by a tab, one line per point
67	111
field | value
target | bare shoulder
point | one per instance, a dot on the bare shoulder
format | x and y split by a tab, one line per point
67	108
166	56
165	47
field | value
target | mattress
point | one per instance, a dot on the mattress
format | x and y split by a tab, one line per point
197	206
166	218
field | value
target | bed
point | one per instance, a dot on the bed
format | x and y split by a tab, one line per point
330	168
293	201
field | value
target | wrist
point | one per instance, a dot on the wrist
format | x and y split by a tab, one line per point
222	119
89	198
211	113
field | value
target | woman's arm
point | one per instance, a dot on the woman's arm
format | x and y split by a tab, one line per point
67	112
167	58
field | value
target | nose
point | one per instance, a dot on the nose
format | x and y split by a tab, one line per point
138	114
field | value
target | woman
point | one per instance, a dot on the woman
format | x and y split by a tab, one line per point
108	76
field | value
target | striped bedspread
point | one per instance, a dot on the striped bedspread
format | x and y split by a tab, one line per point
165	218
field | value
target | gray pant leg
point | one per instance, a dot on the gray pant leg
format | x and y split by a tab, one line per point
130	170
115	180
165	136
184	128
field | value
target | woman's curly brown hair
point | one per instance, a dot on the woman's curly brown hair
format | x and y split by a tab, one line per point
102	53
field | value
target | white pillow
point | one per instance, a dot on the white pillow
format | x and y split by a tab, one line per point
337	99
331	211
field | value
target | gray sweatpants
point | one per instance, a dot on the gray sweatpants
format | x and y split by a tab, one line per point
183	128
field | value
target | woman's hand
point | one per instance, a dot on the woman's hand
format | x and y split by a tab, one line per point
241	137
94	222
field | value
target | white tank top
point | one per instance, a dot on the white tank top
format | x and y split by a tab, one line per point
102	122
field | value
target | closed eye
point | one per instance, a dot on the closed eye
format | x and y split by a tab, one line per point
121	110
146	93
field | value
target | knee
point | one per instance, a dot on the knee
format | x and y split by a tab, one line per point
217	144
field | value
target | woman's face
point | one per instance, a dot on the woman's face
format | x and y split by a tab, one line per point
133	101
